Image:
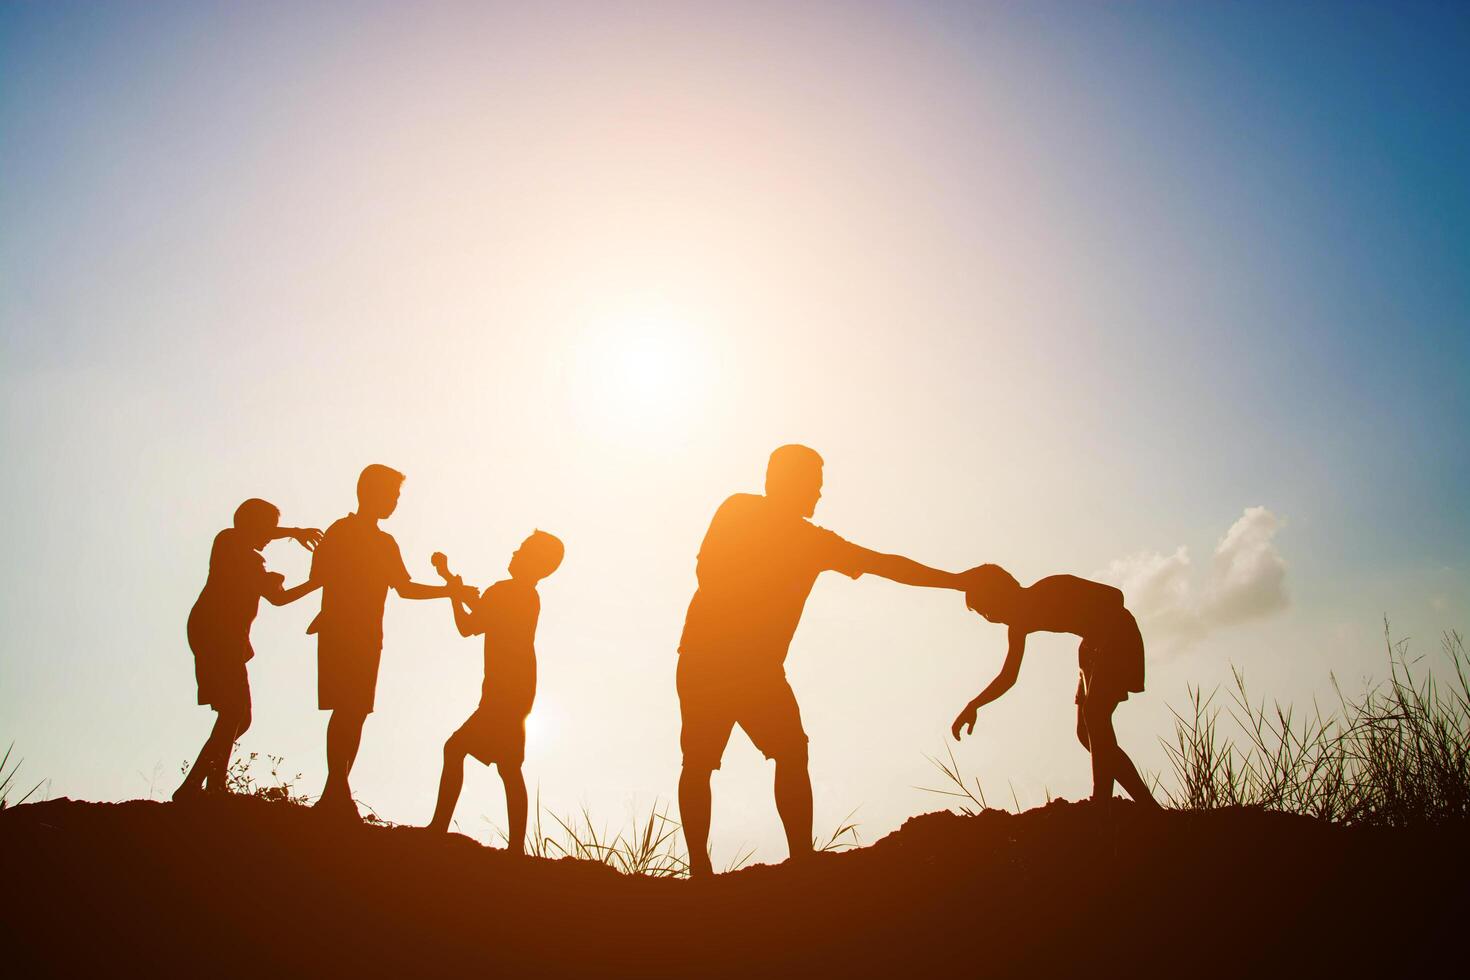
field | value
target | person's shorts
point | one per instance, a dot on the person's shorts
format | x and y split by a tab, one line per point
714	698
223	683
1111	663
494	736
219	668
347	673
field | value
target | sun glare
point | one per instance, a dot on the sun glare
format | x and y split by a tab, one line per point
642	379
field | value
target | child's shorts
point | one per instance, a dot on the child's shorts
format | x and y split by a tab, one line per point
223	683
1111	662
346	673
494	737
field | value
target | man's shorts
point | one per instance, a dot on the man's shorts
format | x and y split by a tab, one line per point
494	736
714	698
1111	662
346	673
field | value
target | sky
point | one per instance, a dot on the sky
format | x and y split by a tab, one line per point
1168	295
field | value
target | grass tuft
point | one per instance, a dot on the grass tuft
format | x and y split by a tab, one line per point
1396	756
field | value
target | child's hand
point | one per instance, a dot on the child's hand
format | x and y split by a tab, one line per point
307	537
965	722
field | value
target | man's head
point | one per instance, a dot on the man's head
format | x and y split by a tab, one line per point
992	592
377	491
257	520
537	557
794	479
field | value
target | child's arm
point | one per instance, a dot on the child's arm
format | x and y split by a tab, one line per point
460	596
1002	683
307	537
277	596
464	616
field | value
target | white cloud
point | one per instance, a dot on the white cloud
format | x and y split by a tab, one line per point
1246	580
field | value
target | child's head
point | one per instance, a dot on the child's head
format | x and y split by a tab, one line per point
257	520
377	491
991	591
537	557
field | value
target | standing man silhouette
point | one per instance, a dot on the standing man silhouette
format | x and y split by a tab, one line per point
356	563
756	567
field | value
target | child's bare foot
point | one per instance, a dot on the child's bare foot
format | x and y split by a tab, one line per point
188	793
338	807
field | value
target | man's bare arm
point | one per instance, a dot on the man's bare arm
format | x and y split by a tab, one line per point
906	571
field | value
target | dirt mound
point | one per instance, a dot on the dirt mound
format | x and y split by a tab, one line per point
244	887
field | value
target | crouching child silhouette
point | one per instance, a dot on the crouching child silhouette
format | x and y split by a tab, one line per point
219	631
496	733
1110	659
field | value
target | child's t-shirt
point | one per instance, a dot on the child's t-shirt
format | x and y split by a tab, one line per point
221	617
506	613
356	562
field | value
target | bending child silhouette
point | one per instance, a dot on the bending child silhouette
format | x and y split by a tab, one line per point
756	567
496	733
219	631
1110	659
356	564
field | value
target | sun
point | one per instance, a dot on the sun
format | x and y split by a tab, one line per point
642	378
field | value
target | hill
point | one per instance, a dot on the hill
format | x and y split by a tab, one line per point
245	887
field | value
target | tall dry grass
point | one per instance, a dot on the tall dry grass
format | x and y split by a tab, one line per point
1397	755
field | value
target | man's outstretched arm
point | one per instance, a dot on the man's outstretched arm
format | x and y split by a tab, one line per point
906	571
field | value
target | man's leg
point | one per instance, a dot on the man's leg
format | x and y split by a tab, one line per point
344	737
794	803
450	783
515	806
694	814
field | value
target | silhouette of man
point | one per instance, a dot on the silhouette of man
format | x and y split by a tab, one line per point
756	567
219	631
496	733
356	563
1110	659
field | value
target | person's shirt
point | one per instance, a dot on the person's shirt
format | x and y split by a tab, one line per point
231	596
756	568
1068	604
506	613
356	562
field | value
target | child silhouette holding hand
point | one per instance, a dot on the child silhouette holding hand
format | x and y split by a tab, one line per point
219	630
1110	659
496	733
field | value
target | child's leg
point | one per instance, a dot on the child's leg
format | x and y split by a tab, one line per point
204	766
344	737
450	783
1097	717
1109	761
232	723
515	806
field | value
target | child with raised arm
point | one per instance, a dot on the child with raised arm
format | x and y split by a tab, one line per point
1110	659
496	733
219	631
